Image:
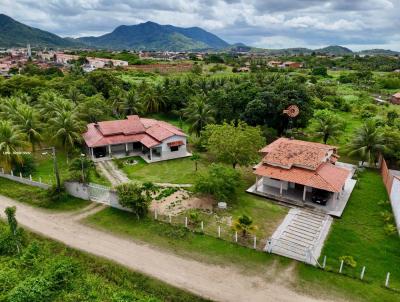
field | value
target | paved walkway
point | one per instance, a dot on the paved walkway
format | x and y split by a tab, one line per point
114	175
210	281
301	235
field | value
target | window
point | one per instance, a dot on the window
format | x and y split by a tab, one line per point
174	148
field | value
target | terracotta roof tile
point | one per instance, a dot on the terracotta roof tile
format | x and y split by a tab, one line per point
327	177
149	132
286	153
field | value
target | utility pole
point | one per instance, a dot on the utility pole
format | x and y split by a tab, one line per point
57	174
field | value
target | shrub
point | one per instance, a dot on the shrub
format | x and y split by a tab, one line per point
348	261
390	229
134	197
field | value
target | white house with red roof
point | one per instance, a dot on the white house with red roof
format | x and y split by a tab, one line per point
151	139
303	173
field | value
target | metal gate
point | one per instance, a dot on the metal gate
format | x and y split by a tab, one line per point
99	193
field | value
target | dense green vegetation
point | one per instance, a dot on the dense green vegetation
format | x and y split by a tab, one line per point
45	270
40	197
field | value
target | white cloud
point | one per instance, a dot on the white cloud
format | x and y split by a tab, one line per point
283	23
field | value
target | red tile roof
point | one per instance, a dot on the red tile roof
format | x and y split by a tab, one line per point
286	153
327	177
149	132
397	95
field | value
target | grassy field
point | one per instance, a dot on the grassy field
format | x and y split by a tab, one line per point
39	197
44	169
79	277
360	233
179	171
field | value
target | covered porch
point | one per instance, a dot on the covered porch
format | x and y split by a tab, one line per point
125	150
301	195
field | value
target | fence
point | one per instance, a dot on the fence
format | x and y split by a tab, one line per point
391	179
360	273
222	231
27	181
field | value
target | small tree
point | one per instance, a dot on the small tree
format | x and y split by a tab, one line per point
244	225
220	181
11	242
195	158
328	125
234	144
81	169
135	197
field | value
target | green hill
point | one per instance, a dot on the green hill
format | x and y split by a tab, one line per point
16	34
153	36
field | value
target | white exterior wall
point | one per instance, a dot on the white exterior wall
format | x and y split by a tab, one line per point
395	201
275	183
166	151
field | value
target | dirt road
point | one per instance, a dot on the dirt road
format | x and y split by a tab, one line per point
210	281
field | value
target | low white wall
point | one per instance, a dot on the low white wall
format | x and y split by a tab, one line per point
77	189
25	181
395	201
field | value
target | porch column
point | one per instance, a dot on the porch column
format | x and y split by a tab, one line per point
126	149
281	189
304	193
257	180
91	152
109	150
151	154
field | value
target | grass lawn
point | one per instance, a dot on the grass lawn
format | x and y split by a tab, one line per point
91	279
38	197
360	234
179	171
45	169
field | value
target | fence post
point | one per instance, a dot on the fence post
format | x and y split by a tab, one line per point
324	262
387	280
362	273
155	214
341	266
186	222
12	173
40	179
30	177
255	242
170	218
20	175
202	225
219	231
2	170
236	237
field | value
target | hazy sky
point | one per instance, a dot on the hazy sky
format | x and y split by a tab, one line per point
358	24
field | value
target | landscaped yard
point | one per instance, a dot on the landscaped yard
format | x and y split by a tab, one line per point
177	171
360	233
39	197
44	169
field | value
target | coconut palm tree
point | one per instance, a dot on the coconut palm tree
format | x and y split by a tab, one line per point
66	128
26	119
328	125
132	103
198	114
12	140
153	99
368	143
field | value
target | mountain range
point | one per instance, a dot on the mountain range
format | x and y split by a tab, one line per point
150	36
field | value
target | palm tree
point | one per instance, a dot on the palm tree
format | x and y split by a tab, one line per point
328	126
132	103
152	99
26	119
11	142
244	224
198	114
66	128
368	143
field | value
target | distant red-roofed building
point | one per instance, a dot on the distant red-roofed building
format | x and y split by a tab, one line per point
151	139
294	171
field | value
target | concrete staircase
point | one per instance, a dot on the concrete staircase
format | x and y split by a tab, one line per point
301	235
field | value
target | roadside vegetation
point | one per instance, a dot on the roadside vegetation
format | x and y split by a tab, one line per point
36	269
